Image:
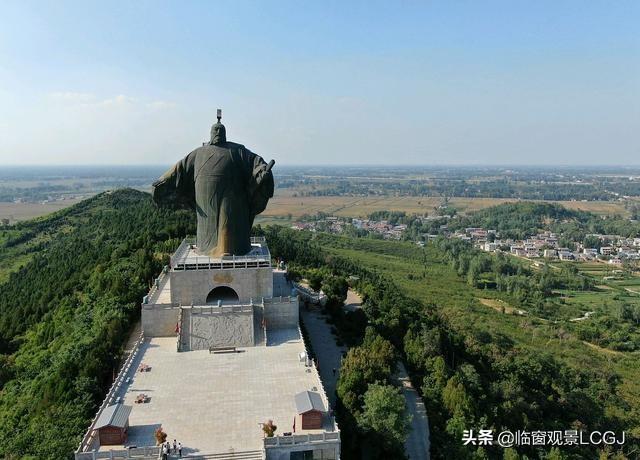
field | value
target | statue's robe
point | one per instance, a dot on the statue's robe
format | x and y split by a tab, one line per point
227	185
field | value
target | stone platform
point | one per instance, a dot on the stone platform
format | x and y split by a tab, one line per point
215	403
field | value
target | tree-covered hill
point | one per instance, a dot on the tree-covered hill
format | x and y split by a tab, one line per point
70	285
519	220
526	218
476	367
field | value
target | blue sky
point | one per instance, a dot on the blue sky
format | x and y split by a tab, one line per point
464	82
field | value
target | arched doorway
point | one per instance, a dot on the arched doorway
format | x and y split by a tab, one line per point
224	293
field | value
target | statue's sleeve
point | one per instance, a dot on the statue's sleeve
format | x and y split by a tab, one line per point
176	187
261	183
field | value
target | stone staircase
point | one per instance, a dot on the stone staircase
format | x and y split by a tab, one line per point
185	331
258	330
245	455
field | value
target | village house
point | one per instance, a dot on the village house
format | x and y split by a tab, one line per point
607	250
565	255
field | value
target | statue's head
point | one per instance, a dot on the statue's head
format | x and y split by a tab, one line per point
218	134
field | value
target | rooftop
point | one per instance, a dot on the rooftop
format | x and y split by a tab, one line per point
115	415
309	400
213	403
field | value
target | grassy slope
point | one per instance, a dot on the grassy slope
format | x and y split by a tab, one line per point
436	282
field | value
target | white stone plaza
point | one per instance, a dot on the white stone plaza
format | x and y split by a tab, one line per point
217	402
219	357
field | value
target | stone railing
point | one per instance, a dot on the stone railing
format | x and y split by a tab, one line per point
279	299
323	392
299	439
88	439
206	263
180	252
309	295
180	260
155	288
224	308
137	453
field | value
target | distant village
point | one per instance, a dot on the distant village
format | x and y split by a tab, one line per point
545	244
338	225
614	249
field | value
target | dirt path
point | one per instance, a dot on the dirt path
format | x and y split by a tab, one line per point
353	302
603	350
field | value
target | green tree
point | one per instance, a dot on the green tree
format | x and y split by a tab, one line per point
384	416
455	397
315	279
335	288
555	454
373	361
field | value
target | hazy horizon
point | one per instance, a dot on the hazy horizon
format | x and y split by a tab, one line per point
442	84
472	166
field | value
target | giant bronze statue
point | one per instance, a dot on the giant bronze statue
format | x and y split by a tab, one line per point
226	184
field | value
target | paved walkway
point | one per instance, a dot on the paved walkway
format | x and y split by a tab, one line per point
281	287
329	355
417	444
324	346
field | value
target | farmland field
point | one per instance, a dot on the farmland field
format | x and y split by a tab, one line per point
24	211
346	206
283	205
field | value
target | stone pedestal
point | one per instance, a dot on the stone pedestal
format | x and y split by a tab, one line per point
219	302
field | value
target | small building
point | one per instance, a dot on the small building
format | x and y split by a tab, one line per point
606	250
311	409
532	252
112	425
490	247
565	255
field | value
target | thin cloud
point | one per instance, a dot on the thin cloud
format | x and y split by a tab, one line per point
160	105
73	97
119	100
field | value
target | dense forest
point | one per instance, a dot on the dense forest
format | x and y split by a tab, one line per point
518	220
469	377
66	310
